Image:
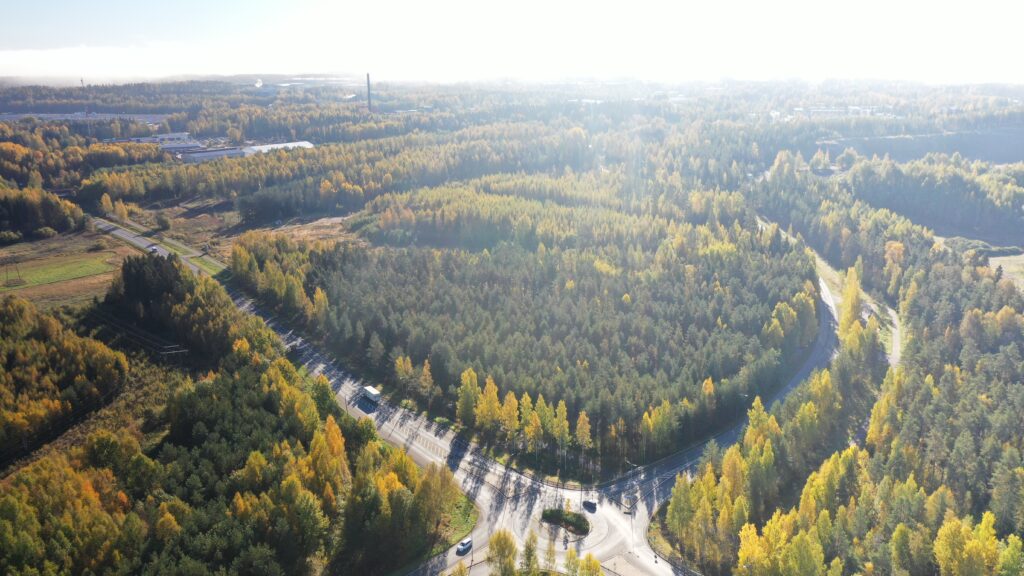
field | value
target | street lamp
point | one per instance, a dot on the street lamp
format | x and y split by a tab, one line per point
632	513
632	533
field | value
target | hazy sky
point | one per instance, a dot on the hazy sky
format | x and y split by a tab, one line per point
450	40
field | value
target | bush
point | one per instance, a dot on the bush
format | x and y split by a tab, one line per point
163	222
44	232
572	521
100	245
9	236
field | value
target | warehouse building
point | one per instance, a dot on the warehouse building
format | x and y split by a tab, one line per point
207	154
250	150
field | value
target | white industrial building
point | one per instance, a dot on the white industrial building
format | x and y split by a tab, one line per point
207	154
250	150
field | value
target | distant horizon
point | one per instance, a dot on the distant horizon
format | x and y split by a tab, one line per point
358	80
532	41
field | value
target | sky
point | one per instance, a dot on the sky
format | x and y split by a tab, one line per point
531	40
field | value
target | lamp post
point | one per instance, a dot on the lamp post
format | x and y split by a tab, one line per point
632	513
632	534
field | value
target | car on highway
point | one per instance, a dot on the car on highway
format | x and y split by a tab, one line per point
464	546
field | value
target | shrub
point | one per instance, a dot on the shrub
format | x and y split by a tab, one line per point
572	521
100	245
44	232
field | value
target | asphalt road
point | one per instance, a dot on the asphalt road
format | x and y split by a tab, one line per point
140	241
505	498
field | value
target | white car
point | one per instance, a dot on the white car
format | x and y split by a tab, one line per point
464	546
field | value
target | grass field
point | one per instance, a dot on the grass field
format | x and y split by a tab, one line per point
1013	267
58	270
463	518
209	265
196	225
70	269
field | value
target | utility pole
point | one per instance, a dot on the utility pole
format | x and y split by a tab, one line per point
369	100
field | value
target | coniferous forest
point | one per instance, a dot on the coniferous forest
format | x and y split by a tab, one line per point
575	280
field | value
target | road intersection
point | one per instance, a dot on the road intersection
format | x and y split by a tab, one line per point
511	500
505	497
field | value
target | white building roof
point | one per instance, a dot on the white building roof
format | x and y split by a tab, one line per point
250	150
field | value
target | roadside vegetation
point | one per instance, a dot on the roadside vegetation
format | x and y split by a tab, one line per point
506	559
574	522
946	508
251	449
35	214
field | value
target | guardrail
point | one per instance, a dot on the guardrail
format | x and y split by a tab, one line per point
679	566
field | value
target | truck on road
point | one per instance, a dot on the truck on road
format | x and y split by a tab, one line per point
371	394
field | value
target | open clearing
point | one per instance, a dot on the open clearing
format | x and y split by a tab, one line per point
202	224
69	269
211	226
1013	267
60	269
320	229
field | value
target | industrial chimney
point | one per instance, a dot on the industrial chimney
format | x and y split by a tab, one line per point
369	101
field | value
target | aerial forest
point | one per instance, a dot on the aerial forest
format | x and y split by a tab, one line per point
572	280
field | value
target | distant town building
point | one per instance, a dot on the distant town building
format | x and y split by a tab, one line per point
171	142
155	139
207	154
250	150
172	137
182	146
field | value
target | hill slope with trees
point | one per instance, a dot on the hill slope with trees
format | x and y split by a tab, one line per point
251	466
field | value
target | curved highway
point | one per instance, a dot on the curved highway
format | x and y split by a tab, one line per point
508	499
505	498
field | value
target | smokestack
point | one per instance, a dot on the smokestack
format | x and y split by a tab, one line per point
369	101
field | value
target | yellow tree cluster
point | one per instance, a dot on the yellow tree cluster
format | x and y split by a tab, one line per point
518	421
